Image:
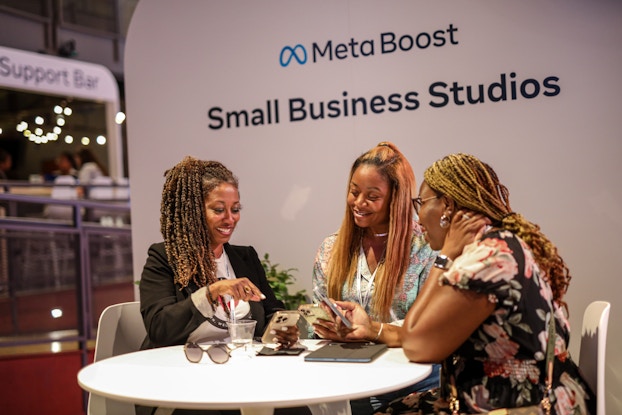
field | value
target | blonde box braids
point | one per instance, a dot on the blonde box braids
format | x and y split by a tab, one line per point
474	185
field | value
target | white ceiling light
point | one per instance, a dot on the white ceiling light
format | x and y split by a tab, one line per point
120	117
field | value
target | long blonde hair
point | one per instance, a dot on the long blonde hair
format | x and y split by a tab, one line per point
474	185
342	264
182	218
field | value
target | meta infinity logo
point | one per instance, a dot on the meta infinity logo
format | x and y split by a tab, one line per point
288	53
383	43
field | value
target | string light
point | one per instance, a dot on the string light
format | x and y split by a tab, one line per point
40	136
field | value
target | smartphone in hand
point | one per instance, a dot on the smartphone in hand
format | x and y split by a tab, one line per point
313	312
334	309
280	319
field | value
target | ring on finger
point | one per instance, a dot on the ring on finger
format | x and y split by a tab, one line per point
247	289
465	216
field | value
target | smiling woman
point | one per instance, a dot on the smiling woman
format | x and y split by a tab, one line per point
195	282
379	258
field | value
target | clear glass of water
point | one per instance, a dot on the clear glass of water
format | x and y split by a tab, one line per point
241	333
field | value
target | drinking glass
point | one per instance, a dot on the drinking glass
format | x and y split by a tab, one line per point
241	332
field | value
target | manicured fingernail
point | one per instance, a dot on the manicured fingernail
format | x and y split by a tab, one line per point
263	297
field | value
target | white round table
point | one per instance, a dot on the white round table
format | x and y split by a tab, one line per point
164	378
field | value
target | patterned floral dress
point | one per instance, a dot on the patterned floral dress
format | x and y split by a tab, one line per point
501	365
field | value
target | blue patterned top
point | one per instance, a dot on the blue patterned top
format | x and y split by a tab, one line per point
421	260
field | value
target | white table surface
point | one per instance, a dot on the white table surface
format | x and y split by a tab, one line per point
163	377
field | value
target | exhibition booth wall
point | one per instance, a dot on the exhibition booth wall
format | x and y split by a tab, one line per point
288	93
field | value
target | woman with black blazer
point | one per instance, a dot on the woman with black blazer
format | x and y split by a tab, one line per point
195	281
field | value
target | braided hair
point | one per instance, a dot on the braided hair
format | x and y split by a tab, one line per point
342	265
182	218
474	185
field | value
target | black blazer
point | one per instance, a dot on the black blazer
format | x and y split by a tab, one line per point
169	313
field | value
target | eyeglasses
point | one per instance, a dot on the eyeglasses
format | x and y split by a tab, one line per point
418	202
219	353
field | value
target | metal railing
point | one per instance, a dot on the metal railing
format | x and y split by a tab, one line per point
57	275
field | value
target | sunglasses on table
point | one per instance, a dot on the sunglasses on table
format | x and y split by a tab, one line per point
218	353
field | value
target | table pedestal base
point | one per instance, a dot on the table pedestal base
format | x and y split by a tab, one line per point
332	408
257	411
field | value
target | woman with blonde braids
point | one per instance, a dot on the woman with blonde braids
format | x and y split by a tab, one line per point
378	258
485	309
190	280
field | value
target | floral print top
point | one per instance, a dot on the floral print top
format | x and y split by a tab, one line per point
421	260
502	364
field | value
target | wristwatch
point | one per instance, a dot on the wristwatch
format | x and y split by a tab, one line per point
443	262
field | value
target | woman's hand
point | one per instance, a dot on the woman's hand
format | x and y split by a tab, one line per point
287	337
466	227
335	330
238	288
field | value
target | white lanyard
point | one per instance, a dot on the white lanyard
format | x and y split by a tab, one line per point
363	301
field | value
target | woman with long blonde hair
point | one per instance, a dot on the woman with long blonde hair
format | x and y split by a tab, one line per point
378	258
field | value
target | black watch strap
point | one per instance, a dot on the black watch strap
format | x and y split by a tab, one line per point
443	262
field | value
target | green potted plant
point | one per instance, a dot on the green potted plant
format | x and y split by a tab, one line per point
280	280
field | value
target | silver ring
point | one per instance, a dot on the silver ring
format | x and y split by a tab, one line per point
465	216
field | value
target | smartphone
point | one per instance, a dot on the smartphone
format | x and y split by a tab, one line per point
280	319
333	308
312	312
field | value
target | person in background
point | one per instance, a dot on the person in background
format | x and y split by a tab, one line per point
378	258
6	162
190	280
65	165
486	306
89	167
